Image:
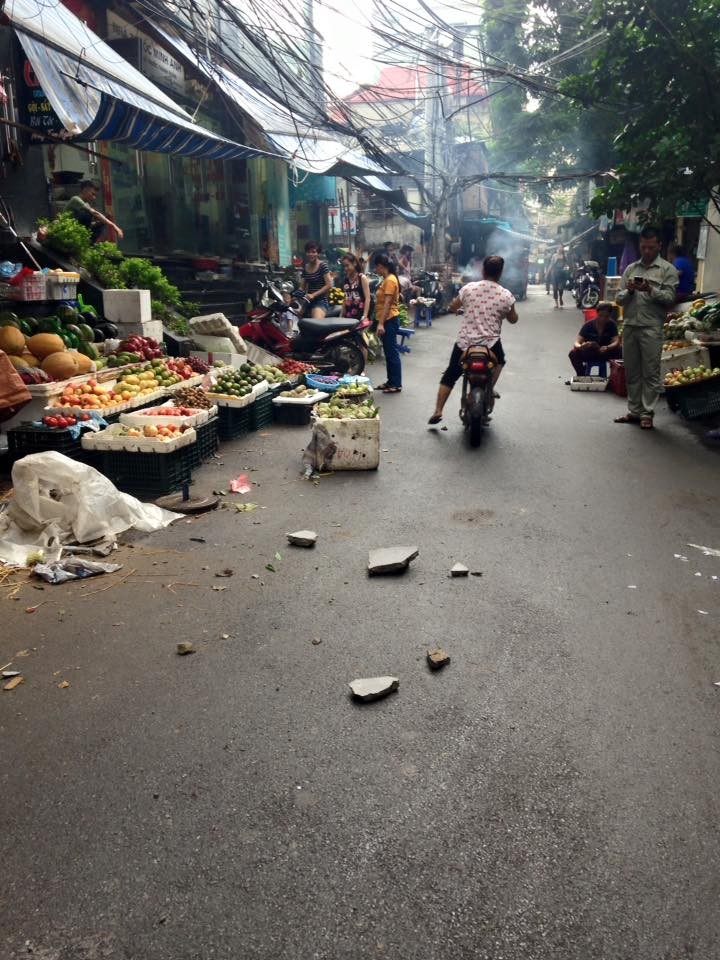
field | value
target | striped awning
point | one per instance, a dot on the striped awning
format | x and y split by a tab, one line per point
98	95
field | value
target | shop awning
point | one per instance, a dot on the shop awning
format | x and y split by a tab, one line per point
295	136
100	96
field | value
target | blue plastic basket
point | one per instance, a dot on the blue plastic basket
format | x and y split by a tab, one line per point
319	385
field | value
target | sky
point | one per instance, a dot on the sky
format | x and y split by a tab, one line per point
349	48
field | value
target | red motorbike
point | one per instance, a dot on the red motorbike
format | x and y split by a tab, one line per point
337	344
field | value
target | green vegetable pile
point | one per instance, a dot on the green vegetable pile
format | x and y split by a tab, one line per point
66	235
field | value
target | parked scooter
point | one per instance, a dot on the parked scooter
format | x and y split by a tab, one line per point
337	344
477	399
431	289
586	285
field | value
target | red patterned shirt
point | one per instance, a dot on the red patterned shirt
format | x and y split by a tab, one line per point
486	304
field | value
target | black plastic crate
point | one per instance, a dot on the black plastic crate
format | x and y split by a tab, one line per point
262	412
696	399
293	414
147	475
233	422
207	442
26	439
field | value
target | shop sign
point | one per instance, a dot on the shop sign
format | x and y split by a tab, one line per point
36	110
342	224
157	64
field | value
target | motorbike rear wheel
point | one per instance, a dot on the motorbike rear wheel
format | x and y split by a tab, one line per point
474	415
346	358
590	299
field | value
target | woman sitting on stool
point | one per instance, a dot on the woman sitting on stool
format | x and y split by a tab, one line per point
597	341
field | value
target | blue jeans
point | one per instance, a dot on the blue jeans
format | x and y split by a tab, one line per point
392	354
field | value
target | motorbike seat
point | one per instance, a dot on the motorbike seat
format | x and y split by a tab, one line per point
317	328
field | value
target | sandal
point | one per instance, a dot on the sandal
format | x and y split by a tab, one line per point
435	418
383	386
388	389
627	418
646	423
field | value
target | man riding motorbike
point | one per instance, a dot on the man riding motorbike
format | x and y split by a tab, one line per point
485	305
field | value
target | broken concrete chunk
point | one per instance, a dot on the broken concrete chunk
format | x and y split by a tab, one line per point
15	682
373	688
437	659
185	648
459	570
302	538
391	559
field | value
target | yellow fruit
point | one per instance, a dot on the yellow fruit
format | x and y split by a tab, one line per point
12	341
43	344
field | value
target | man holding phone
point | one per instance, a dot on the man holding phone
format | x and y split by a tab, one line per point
647	292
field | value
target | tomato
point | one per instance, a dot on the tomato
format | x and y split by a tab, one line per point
61	422
50	421
71	421
85	417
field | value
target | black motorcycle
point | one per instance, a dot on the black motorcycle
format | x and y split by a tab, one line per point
478	396
432	289
586	285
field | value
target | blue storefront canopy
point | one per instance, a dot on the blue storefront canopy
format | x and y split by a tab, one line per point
98	95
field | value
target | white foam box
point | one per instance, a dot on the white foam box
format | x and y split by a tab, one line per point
684	357
127	306
233	360
612	287
357	443
589	384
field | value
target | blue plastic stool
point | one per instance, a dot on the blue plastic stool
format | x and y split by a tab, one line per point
423	314
403	334
601	368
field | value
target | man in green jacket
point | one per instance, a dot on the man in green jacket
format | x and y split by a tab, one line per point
647	292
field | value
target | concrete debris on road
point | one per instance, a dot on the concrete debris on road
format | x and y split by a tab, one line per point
391	559
373	688
459	570
302	538
437	659
185	648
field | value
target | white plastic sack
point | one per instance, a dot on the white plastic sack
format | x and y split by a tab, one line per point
59	501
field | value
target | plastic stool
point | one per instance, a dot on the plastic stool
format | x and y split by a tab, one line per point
423	314
403	334
601	368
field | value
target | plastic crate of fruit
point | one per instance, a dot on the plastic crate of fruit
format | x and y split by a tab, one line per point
226	400
233	422
26	439
695	400
146	476
261	412
208	441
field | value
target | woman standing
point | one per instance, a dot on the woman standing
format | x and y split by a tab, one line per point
317	280
357	289
388	297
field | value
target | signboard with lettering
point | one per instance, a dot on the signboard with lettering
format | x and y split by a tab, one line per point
157	63
36	110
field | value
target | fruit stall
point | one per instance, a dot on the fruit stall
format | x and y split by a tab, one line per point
147	421
691	382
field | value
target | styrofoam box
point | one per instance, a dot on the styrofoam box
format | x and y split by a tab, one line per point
127	307
140	419
151	328
233	360
301	401
683	357
222	400
612	287
357	442
264	357
190	382
108	439
216	324
589	384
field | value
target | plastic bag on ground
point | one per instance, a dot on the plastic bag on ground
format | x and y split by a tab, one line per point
59	501
72	568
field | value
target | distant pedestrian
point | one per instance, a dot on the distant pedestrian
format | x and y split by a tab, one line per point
648	290
81	207
686	272
597	341
560	274
386	311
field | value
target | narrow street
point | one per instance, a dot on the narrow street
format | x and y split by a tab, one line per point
550	795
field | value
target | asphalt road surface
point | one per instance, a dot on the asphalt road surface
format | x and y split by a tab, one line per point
551	795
